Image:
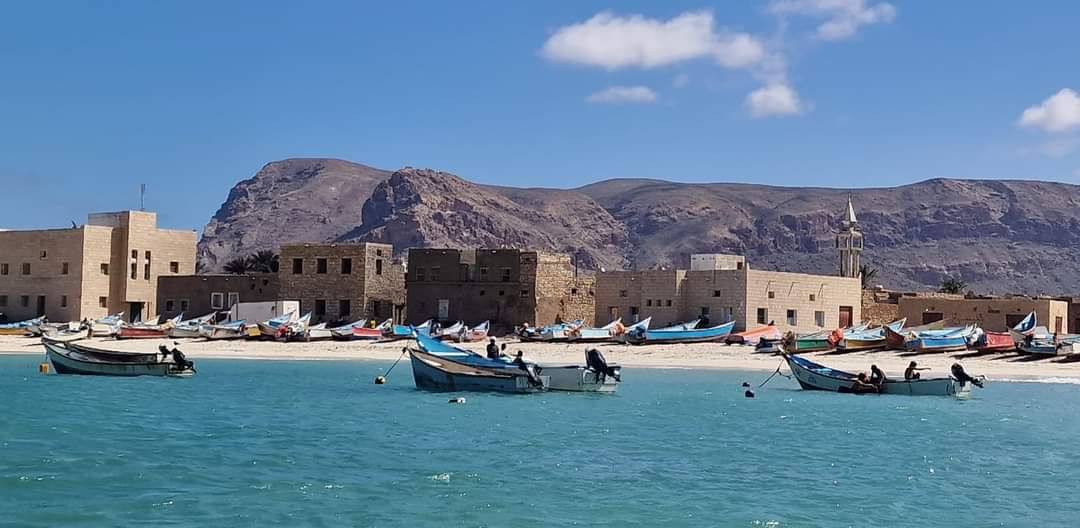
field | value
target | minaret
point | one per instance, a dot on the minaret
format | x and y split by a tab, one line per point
850	243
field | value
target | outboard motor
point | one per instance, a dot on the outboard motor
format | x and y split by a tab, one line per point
595	362
963	377
533	373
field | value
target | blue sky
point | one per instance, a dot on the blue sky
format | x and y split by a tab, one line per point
191	97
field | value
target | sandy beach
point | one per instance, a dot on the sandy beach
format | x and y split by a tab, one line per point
697	356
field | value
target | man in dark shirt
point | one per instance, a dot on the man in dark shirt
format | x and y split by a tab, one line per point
492	350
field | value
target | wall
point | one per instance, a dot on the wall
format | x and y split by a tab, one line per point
880	307
46	278
195	291
805	294
719	295
560	294
990	314
358	287
472	285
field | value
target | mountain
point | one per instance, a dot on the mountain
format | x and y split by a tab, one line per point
997	236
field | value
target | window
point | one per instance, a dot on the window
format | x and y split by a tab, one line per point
134	271
146	270
44	254
705	311
320	265
792	318
104	268
634	311
64	268
622	293
763	315
63	301
501	293
344	308
217	300
3	269
819	318
420	274
147	255
483	273
435	273
669	302
573	291
26	268
346	266
234	299
320	307
772	295
524	293
716	293
813	297
482	292
134	253
170	305
378	266
378	252
3	300
506	274
174	267
183	305
25	301
648	302
103	302
297	266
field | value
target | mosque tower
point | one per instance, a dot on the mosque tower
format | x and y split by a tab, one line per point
849	243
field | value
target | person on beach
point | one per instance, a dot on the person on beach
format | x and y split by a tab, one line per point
492	350
877	376
912	371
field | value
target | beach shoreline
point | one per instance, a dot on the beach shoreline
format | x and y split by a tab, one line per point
698	356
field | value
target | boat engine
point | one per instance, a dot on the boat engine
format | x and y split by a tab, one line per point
595	362
962	376
534	375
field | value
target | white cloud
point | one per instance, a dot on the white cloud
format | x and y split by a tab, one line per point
623	94
843	17
774	100
680	80
1059	113
613	42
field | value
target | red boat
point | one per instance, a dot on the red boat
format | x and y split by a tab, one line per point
995	341
753	335
142	332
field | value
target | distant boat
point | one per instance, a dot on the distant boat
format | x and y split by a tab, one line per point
319	332
452	331
769	346
27	327
619	335
813	376
395	332
358	330
71	358
814	342
870	339
552	333
233	330
944	340
147	330
900	339
433	373
476	333
676	335
585	334
989	341
271	327
752	336
107	326
190	328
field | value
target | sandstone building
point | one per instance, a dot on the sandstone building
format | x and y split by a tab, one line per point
723	288
343	282
198	295
505	286
109	265
995	314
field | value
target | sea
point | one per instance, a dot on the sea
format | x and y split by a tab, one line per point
317	443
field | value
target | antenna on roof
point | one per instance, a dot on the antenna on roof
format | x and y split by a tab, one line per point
142	196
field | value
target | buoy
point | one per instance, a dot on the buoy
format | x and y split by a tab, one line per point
43	368
459	399
746	384
380	380
749	394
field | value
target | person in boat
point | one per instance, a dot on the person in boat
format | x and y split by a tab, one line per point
862	384
492	350
180	360
519	359
877	376
912	371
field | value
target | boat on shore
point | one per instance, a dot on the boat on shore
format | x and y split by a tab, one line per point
944	340
69	357
994	341
271	327
358	330
434	373
396	332
147	330
900	340
233	330
27	327
585	334
752	336
680	334
107	326
869	339
191	327
475	333
555	333
814	342
813	376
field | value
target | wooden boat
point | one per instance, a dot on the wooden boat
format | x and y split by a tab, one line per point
27	327
990	341
1050	347
396	332
669	335
812	376
190	328
358	330
70	358
319	332
434	373
619	332
752	336
147	330
107	326
295	330
769	346
271	327
944	340
898	340
595	376
870	339
815	342
556	333
1026	327
452	332
476	333
584	334
233	330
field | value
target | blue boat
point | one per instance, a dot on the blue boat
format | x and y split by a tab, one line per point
396	332
679	334
944	340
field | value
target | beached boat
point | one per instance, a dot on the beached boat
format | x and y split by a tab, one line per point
233	330
1026	326
452	332
676	335
899	340
619	332
295	330
359	330
814	342
812	376
595	376
396	332
994	341
1050	346
28	327
752	336
434	373
769	346
107	326
190	328
476	333
71	358
147	330
585	334
552	333
319	332
944	340
870	339
271	327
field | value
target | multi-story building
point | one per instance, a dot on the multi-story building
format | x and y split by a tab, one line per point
505	286
197	295
109	265
343	282
722	288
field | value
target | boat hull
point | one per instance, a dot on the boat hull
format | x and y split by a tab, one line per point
576	378
816	377
128	332
432	373
184	332
67	361
704	335
939	344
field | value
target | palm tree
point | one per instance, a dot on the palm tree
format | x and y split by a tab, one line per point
264	261
867	273
237	266
953	285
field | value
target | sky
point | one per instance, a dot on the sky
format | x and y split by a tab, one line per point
192	97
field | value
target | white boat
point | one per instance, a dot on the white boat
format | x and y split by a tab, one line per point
595	376
233	330
319	332
812	376
582	334
69	358
107	326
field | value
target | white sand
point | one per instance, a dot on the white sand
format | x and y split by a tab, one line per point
698	356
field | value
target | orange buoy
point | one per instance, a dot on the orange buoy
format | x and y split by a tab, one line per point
43	368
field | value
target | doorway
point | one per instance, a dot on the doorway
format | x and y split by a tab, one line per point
135	310
40	305
845	316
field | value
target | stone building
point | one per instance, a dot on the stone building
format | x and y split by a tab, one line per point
505	286
723	288
109	265
198	295
343	282
995	314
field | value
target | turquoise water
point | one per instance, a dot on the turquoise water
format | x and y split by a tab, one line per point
249	443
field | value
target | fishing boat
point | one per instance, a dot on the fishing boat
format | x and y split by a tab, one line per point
359	330
147	330
752	336
233	330
396	332
814	342
813	376
595	376
270	327
1026	326
71	358
319	332
190	328
295	330
675	335
585	334
22	327
107	326
619	332
769	346
476	333
898	340
452	332
552	333
870	339
994	341
1050	346
434	373
944	340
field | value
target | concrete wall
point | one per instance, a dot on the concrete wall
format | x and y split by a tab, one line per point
805	295
45	252
193	294
990	314
372	277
